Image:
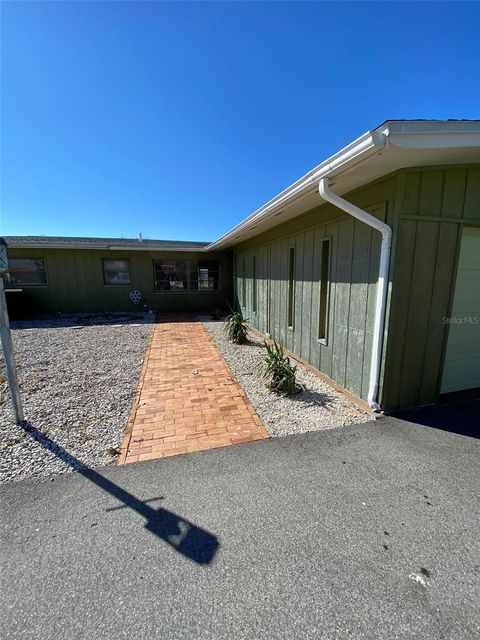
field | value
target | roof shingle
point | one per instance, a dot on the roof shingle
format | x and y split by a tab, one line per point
62	242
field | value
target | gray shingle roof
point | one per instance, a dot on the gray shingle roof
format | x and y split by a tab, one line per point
56	242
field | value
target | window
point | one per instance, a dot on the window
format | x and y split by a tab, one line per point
186	275
254	284
27	271
291	288
324	291
116	271
170	275
204	275
244	284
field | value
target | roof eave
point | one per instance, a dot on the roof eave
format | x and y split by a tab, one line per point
362	145
405	134
96	247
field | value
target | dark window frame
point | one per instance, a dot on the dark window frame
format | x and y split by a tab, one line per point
188	276
217	271
324	290
28	284
117	284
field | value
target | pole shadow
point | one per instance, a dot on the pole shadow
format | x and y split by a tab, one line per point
191	541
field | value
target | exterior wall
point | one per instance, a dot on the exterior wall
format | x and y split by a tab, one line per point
76	284
426	208
354	255
432	206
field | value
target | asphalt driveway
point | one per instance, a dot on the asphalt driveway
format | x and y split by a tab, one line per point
369	532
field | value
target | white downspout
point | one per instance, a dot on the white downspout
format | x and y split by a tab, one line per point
382	285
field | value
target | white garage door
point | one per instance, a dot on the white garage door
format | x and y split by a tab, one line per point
462	359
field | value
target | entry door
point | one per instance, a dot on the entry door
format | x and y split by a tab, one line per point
462	359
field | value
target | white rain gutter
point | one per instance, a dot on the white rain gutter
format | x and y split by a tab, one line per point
382	284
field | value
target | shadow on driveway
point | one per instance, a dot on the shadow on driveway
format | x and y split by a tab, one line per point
461	418
195	543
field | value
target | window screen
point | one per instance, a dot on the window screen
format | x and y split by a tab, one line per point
27	271
186	275
324	291
204	275
116	271
170	275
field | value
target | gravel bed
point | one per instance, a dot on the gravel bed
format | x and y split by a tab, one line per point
78	375
316	408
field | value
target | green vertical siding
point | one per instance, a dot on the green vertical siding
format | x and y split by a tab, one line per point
353	274
357	312
296	335
263	262
309	349
75	282
341	309
434	205
426	209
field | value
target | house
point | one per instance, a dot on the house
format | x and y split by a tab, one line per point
111	274
367	267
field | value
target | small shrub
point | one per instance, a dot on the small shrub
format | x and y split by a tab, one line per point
278	367
236	328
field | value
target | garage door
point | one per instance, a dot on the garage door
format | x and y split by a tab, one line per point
462	359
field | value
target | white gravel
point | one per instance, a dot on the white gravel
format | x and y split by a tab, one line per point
316	408
78	376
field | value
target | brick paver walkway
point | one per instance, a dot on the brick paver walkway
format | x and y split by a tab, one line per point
188	399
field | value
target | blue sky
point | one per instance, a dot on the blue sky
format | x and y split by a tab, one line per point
179	119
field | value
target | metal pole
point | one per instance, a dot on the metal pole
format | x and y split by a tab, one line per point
9	358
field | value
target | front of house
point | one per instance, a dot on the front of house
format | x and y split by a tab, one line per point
65	275
306	268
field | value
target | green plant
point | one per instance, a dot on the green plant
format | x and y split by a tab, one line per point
278	367
236	328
